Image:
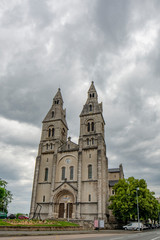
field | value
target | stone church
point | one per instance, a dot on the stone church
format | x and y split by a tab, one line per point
73	180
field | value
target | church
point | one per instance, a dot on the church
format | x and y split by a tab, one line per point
73	180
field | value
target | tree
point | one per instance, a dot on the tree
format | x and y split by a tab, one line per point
5	196
124	202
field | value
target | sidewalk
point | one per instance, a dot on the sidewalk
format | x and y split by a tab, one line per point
43	233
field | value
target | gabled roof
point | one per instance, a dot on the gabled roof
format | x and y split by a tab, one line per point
70	185
68	146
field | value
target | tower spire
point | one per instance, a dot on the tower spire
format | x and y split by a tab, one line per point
58	98
92	94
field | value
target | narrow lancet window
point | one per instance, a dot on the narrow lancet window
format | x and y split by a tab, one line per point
46	174
52	132
71	172
88	127
63	173
92	126
90	171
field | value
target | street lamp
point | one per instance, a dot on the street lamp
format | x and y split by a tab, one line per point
138	208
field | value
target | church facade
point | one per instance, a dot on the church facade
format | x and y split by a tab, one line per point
72	180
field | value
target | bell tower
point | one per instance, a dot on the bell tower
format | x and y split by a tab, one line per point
54	129
92	161
91	119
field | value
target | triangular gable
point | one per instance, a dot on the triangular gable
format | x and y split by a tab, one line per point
68	146
65	186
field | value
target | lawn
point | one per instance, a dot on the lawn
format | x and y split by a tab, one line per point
36	223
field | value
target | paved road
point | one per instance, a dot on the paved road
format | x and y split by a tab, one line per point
146	235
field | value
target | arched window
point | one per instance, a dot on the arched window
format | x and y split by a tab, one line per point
71	172
88	126
52	114
90	107
46	174
63	173
92	126
92	94
87	141
92	141
51	145
47	146
90	171
56	102
49	132
89	197
43	198
52	132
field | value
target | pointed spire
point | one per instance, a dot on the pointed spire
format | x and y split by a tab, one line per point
58	98
92	87
92	93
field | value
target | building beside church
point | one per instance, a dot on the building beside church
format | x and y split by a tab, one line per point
72	180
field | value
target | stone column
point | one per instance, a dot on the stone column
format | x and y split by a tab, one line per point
79	176
99	190
34	189
51	205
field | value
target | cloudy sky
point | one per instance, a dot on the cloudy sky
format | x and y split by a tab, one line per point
47	44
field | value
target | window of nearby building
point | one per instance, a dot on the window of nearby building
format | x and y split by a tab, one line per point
71	172
51	145
47	146
112	192
46	174
43	198
63	173
89	197
87	141
92	141
90	171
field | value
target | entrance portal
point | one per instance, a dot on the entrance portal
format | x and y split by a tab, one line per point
65	207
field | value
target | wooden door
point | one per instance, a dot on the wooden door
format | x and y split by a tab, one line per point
70	205
61	210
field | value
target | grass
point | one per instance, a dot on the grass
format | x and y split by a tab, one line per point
35	223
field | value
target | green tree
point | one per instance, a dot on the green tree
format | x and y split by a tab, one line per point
124	202
5	196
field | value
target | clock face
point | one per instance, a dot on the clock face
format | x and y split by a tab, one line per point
68	160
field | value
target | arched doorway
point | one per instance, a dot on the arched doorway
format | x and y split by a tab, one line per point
65	207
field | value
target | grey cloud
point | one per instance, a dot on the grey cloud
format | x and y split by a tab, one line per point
111	19
48	44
